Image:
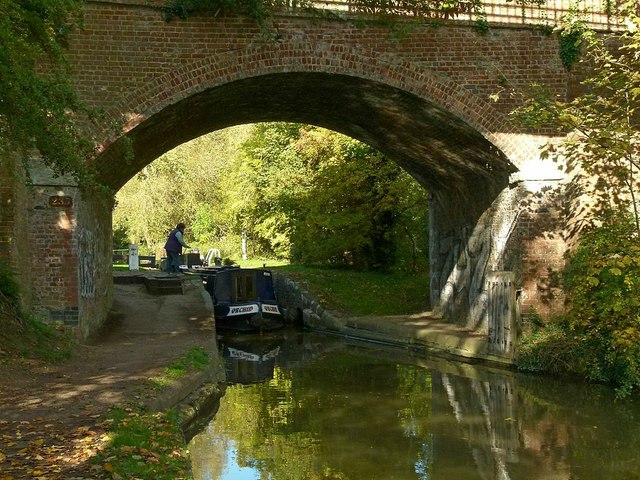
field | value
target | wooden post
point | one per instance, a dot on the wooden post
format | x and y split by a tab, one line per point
502	310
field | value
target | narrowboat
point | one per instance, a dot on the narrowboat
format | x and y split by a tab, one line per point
244	299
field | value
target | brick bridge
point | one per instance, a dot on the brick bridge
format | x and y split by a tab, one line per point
434	99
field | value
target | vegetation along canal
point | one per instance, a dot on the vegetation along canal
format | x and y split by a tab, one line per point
301	405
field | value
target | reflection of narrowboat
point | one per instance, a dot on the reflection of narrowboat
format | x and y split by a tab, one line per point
249	362
244	299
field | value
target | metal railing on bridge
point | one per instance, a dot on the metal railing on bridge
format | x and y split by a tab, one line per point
598	14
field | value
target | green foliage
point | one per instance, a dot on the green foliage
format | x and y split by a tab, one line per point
323	198
120	240
263	9
9	289
603	283
39	106
480	23
292	190
604	122
259	10
190	184
549	348
425	9
572	34
600	338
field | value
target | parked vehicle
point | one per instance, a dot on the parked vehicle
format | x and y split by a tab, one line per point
244	299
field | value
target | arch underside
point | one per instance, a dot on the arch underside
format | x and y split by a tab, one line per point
441	151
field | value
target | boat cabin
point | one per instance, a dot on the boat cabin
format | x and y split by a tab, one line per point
244	299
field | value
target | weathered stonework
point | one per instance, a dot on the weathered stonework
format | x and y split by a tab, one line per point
94	251
301	308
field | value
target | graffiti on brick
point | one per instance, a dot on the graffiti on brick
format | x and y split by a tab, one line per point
87	263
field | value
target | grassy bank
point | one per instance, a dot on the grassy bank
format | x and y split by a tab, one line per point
143	444
363	293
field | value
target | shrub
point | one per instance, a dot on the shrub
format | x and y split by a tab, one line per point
9	294
549	348
602	280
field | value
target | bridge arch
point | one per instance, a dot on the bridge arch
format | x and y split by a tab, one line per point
449	139
306	65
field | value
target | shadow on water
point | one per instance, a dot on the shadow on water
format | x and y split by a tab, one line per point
301	405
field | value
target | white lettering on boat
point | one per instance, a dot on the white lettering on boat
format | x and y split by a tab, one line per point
243	310
270	309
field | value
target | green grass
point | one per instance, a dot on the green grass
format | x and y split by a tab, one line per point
195	359
33	339
144	445
362	293
352	292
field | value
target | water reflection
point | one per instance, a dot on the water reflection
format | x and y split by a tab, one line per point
250	359
325	409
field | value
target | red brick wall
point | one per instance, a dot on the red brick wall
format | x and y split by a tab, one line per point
54	261
132	63
539	240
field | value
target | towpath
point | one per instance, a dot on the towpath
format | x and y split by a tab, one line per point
49	414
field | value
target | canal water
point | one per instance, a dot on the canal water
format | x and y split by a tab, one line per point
306	406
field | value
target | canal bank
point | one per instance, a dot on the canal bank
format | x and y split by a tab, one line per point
52	415
421	333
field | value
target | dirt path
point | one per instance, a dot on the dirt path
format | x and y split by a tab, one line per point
49	414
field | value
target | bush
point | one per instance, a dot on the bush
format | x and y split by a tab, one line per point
602	280
9	295
549	348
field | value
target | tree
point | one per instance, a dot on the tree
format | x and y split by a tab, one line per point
192	183
38	106
323	198
602	150
297	192
603	124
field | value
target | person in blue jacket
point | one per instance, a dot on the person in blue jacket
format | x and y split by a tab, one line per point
174	245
